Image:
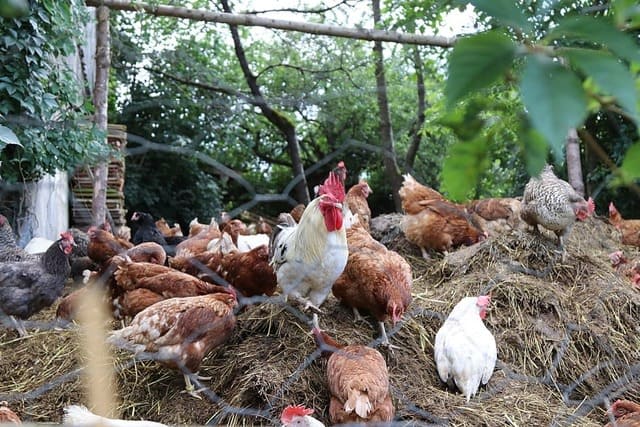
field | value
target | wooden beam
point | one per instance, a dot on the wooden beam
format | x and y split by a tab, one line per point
257	21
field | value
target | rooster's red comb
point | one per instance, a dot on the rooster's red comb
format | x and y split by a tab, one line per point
612	207
333	186
294	411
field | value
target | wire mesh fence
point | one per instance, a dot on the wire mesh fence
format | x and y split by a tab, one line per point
566	333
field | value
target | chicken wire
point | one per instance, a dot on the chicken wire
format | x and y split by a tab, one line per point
582	400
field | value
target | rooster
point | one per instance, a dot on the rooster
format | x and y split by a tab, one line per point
464	349
180	332
374	279
553	203
629	228
626	414
309	256
27	287
299	416
78	415
358	382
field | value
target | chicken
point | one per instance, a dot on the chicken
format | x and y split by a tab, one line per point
7	416
309	256
27	287
248	272
626	414
299	416
252	241
630	228
554	204
103	245
80	416
165	282
199	242
180	332
196	227
464	349
146	231
297	211
358	382
374	279
631	270
496	215
263	227
235	227
356	201
432	222
163	226
200	265
9	249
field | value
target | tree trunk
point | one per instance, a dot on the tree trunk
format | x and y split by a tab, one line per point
574	164
386	133
416	135
103	60
278	120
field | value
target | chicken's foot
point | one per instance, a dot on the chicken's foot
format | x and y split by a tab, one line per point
190	388
19	327
385	339
357	317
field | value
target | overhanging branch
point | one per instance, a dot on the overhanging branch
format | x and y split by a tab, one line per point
256	21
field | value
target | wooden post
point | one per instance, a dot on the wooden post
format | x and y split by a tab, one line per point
103	61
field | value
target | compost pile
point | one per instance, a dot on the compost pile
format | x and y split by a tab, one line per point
567	336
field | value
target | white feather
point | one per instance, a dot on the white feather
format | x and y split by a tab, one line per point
78	415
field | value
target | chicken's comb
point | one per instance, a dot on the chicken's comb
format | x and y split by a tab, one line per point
3	219
612	207
294	411
66	235
484	300
333	186
592	205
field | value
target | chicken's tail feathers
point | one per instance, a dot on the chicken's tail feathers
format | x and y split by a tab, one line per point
79	415
358	401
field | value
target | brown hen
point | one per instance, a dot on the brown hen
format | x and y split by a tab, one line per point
375	279
629	228
248	272
358	381
626	414
180	332
356	201
7	416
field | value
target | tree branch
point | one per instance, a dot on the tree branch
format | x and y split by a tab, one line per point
256	21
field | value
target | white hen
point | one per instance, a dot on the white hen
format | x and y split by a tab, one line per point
78	415
465	351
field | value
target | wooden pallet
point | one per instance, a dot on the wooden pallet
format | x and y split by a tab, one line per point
82	184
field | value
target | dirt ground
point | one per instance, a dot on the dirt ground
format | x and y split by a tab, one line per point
566	331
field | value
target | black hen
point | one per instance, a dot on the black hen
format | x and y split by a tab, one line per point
147	231
27	287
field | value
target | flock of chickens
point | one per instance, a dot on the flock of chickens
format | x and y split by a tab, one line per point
180	295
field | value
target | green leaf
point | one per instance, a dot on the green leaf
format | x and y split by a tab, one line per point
476	62
463	166
630	168
505	11
554	99
599	31
536	149
7	137
609	74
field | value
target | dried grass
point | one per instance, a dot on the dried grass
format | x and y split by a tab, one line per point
567	335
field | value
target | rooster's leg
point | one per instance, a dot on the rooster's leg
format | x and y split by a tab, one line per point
425	254
385	339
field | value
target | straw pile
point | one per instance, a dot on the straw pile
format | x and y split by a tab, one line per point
567	336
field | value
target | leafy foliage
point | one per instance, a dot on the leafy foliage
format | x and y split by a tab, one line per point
39	96
579	64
